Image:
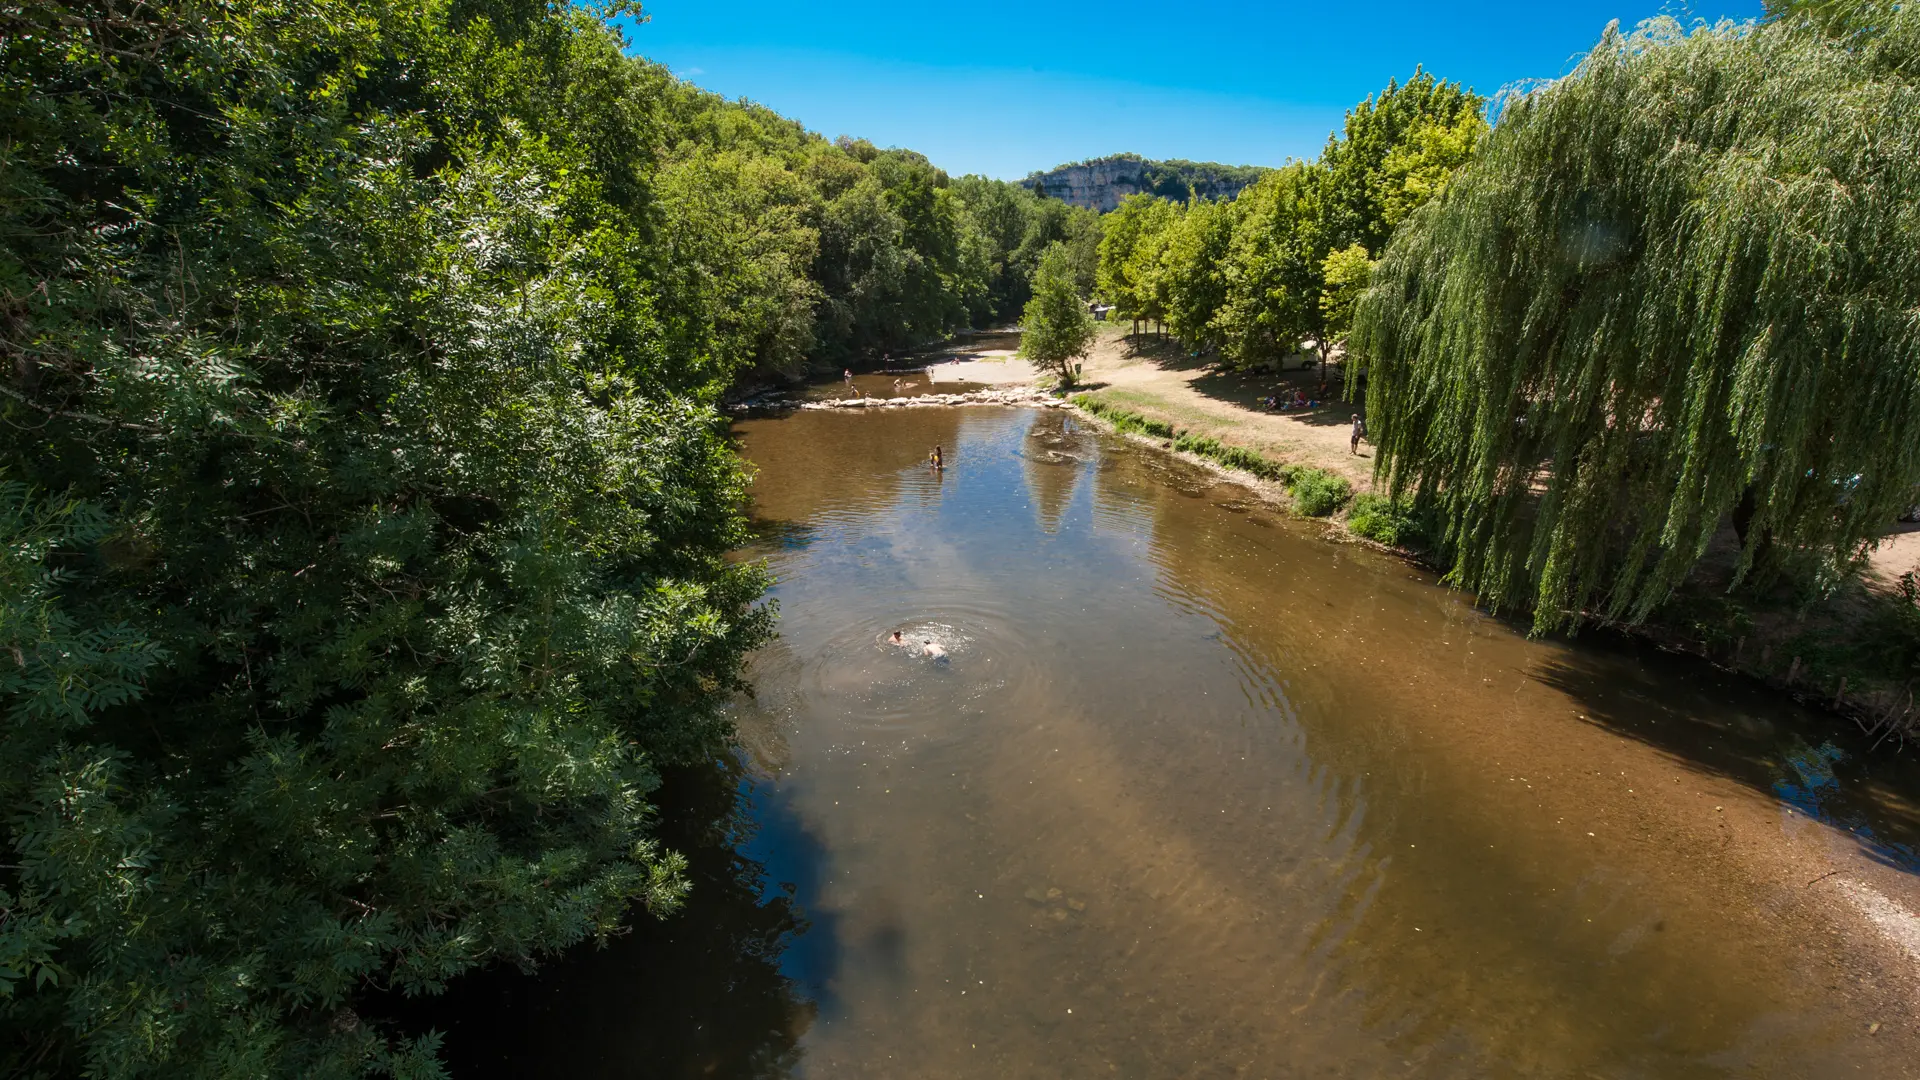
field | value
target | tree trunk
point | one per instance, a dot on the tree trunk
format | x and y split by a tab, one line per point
1743	515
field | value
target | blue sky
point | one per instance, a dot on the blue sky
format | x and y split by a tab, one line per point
1007	88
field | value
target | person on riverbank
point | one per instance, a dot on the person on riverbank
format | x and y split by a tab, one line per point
1359	432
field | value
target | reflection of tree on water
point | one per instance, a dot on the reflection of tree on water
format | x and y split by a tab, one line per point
698	994
1054	456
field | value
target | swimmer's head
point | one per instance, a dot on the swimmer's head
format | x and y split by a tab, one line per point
896	635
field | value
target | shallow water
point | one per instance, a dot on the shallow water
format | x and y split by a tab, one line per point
1195	792
902	383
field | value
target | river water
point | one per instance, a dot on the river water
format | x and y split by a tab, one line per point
1197	792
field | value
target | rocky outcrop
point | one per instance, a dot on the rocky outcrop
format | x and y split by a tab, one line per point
1101	184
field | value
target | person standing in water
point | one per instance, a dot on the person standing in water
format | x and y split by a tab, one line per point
937	459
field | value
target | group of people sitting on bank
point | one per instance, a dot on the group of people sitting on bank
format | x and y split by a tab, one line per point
1299	400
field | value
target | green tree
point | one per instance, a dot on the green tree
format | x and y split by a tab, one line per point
1129	255
1274	266
1394	152
1085	229
1008	227
738	225
1673	287
1056	327
1193	270
1346	273
364	520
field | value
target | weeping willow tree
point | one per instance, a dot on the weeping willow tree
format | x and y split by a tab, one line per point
1679	286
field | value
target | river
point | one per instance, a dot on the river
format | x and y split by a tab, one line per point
1200	792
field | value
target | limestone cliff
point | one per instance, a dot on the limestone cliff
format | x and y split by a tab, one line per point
1100	184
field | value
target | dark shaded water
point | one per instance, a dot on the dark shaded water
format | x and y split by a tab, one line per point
1196	793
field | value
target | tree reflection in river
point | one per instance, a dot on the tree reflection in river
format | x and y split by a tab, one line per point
1198	793
1058	448
1723	723
702	993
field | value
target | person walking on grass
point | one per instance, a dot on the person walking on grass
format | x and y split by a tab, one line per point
1359	432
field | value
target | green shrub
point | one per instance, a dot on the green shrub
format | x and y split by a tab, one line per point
1233	457
1317	492
1123	421
1377	517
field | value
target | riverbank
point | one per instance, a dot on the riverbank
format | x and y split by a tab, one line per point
1220	788
1852	652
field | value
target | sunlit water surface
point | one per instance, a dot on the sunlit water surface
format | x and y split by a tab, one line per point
1194	792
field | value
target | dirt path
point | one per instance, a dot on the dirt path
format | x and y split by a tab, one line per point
1158	380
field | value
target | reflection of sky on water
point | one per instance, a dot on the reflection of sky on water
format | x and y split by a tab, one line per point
1813	787
791	857
1228	791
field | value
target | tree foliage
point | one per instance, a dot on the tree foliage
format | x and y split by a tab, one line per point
364	509
1250	275
1274	266
1395	152
1056	327
1130	245
1346	274
1192	274
1011	228
1675	286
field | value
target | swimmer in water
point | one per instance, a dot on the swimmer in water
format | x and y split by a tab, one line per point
929	648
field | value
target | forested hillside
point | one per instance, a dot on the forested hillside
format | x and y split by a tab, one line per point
363	503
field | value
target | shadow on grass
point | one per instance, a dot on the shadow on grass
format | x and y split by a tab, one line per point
1249	389
1165	353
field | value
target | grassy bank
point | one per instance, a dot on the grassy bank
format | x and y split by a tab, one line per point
1852	650
1312	492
